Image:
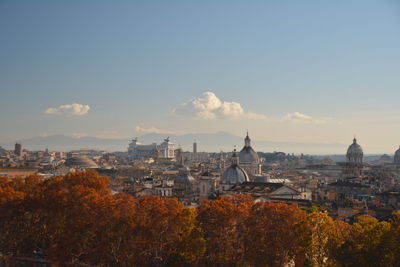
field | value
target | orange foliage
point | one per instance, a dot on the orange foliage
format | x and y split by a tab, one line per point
76	220
223	222
274	228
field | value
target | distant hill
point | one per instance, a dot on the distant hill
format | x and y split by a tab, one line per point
67	143
212	142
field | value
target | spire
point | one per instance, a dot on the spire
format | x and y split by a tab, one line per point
354	140
247	140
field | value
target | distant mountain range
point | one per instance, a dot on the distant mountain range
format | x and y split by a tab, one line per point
213	142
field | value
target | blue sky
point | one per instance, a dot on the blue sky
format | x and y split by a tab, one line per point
312	70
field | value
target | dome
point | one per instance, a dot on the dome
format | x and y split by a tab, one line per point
234	174
184	177
247	154
397	153
80	162
385	158
354	148
397	156
354	152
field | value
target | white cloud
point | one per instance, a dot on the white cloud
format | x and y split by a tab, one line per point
209	101
209	106
298	117
69	110
206	115
154	130
232	109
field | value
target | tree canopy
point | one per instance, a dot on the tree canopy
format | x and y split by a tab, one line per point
76	219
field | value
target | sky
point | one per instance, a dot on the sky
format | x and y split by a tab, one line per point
289	71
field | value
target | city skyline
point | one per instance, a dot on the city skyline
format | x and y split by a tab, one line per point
287	71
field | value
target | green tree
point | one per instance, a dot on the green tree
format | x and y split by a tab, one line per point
365	244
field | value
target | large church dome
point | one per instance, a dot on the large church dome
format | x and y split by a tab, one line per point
234	174
397	156
247	154
354	153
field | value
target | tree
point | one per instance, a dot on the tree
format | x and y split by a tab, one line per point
223	222
273	236
364	246
161	226
322	238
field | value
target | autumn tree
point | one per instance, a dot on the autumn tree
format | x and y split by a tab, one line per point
76	219
224	223
365	244
322	237
390	246
163	232
22	229
273	234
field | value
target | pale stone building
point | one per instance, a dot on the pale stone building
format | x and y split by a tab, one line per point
166	150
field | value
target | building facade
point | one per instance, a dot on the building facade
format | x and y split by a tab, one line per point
166	150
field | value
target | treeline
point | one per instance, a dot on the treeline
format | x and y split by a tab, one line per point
75	220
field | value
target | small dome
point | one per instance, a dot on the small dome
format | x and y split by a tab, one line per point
385	158
397	153
234	174
354	153
397	156
354	148
80	162
184	176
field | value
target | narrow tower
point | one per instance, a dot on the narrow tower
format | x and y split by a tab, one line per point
195	147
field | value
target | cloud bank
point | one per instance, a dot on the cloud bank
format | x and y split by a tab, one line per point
208	106
297	117
69	110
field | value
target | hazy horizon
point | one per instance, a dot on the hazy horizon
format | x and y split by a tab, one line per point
206	142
